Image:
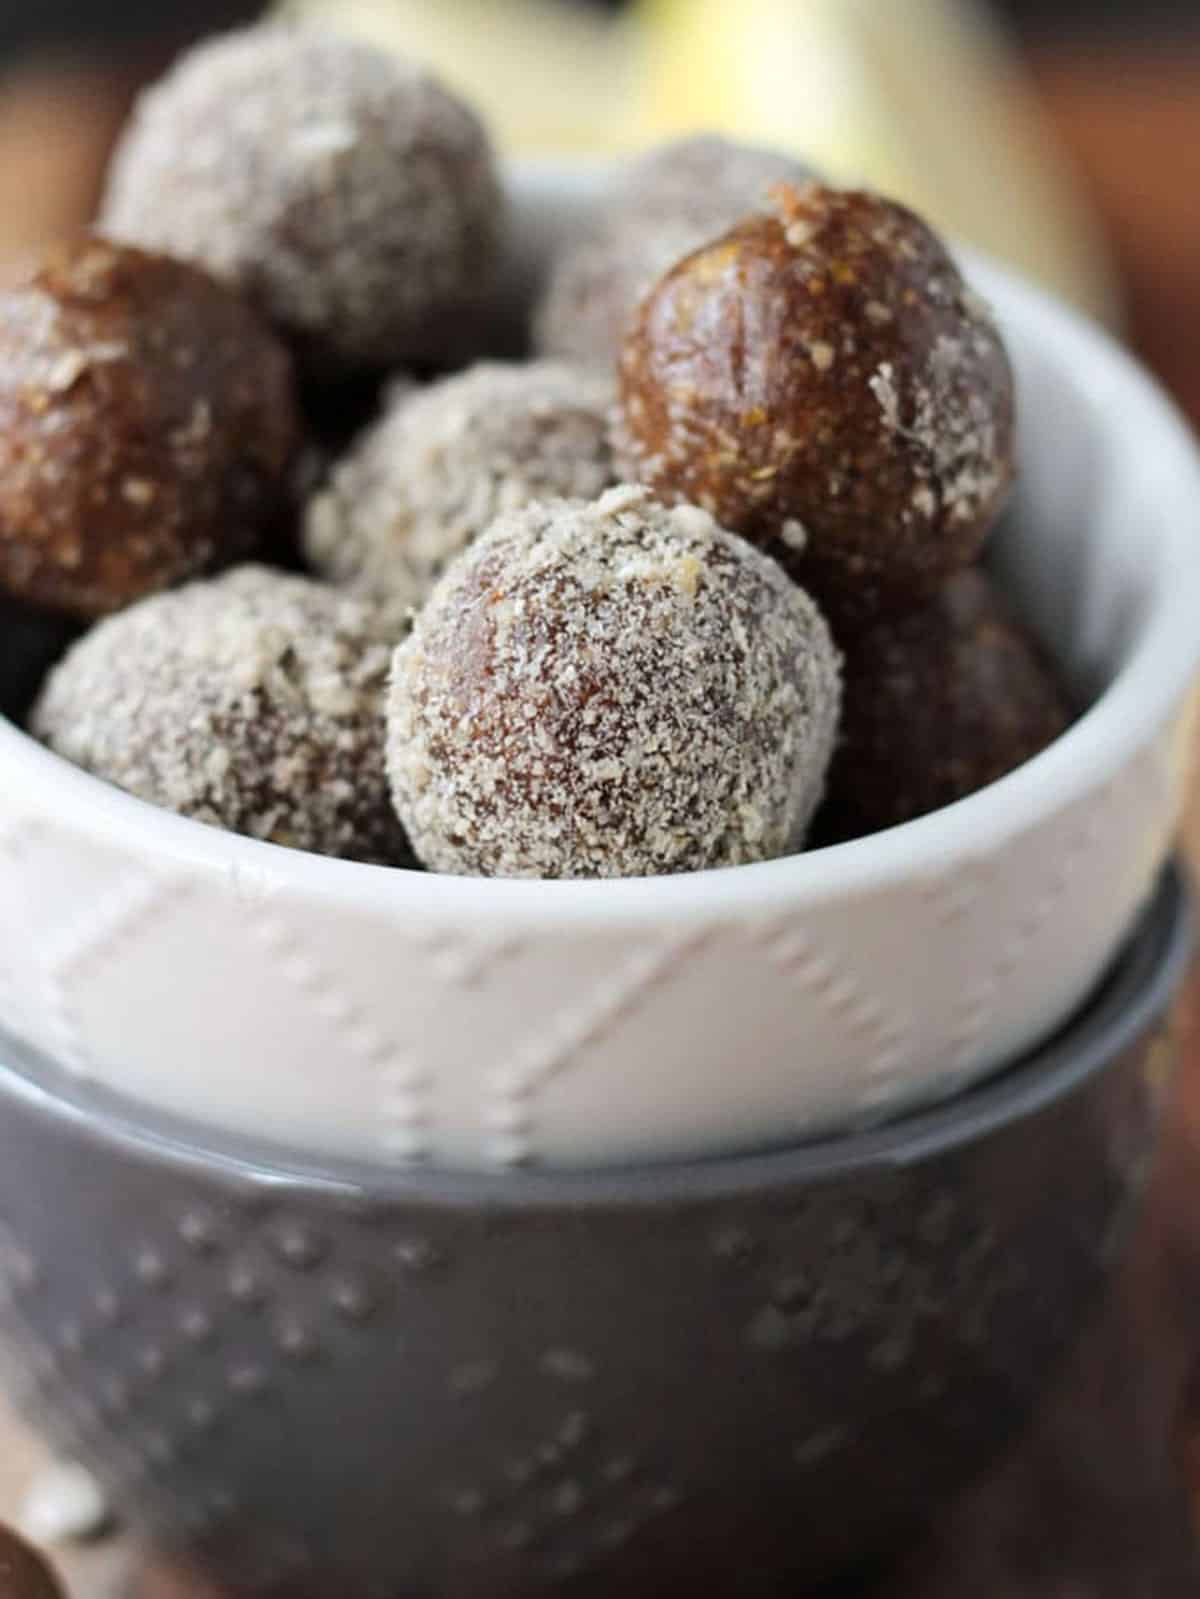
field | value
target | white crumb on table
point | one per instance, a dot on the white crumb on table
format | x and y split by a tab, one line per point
64	1504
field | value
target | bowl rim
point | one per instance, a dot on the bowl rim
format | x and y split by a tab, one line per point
1140	699
1132	998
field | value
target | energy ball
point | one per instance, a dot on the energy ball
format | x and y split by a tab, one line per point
344	189
669	203
253	701
23	1573
824	382
701	173
613	689
147	426
445	461
937	704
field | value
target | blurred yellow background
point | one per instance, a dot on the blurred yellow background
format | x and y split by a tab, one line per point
922	98
1062	136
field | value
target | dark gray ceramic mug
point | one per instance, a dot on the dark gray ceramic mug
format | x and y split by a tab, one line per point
718	1378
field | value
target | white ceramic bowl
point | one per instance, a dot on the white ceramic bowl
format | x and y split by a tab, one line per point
402	1017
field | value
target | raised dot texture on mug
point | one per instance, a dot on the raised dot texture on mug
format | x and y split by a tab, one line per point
295	1340
71	1337
245	1286
151	1360
352	1299
568	1365
198	1231
473	1377
108	1306
196	1324
201	1413
151	1269
247	1379
417	1255
298	1246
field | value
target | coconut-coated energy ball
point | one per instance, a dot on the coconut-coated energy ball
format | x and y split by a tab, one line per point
147	426
937	704
343	188
444	461
253	701
824	382
668	203
613	689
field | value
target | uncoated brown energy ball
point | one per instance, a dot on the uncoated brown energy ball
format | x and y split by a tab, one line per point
147	423
610	689
253	701
352	196
823	381
669	202
444	461
937	704
23	1573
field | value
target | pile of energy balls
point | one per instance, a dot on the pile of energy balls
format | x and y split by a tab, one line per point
689	587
